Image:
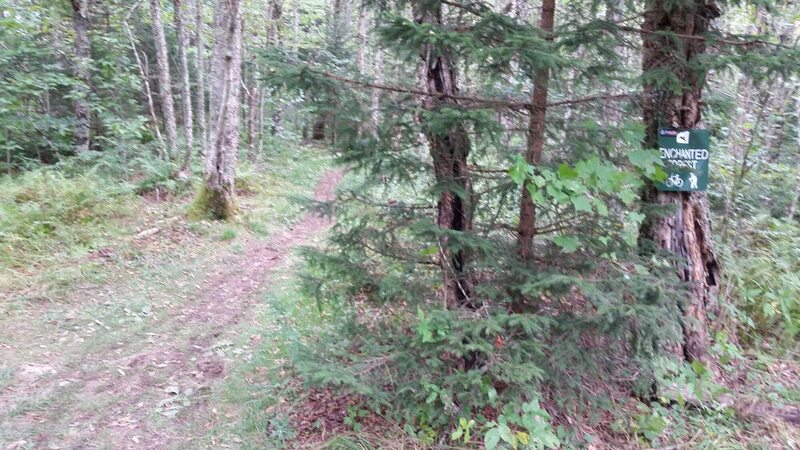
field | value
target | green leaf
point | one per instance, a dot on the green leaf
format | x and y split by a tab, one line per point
505	433
647	160
491	439
568	244
519	170
549	440
601	207
566	172
582	203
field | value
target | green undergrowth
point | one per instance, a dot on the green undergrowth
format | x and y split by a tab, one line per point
47	213
55	220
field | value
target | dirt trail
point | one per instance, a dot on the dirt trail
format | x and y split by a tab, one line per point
154	393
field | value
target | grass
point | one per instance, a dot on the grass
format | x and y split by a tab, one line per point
64	305
260	387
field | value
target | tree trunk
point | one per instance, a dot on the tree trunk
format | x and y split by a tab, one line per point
145	75
200	67
342	13
296	26
274	13
274	38
536	128
186	88
82	72
252	99
449	151
260	122
164	80
793	206
685	228
362	39
226	72
376	93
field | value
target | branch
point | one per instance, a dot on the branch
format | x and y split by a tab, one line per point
705	38
466	8
514	105
591	99
502	103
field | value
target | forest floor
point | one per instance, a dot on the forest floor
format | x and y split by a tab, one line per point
138	349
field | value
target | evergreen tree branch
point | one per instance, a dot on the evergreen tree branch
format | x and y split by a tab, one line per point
514	105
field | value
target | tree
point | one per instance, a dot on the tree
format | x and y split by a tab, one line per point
680	223
200	68
164	79
449	148
536	128
186	88
217	196
82	71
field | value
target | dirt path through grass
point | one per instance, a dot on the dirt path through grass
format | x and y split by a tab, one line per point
148	391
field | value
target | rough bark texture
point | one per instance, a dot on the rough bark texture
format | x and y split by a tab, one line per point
533	155
82	72
186	88
449	151
682	224
225	104
200	67
274	13
164	80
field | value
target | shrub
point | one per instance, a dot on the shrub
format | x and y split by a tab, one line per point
764	277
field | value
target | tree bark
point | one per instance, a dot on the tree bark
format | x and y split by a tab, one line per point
164	79
536	128
685	228
296	26
793	206
200	67
376	93
362	39
274	38
82	72
186	88
252	102
226	72
449	151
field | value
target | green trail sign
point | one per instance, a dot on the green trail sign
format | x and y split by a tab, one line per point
685	157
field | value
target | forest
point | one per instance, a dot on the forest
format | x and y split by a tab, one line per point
400	224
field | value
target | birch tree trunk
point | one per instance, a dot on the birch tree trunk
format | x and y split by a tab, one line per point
362	39
225	106
186	88
536	128
296	26
376	93
684	227
449	151
145	75
82	72
793	206
200	68
274	38
164	79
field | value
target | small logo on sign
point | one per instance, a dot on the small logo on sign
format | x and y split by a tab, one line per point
682	137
